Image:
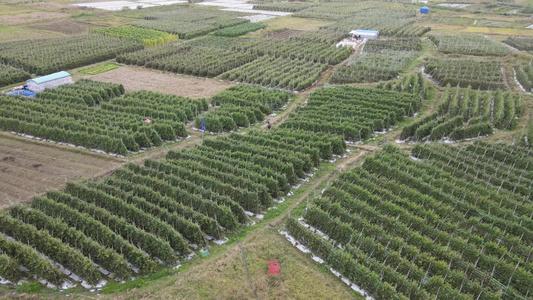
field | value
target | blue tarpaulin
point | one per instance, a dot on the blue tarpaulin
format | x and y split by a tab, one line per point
424	10
23	93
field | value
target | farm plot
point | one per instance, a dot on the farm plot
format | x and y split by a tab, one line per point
402	228
284	6
240	106
520	43
326	36
239	30
414	84
335	11
525	138
389	22
29	168
10	75
373	67
51	55
292	74
479	74
294	49
524	75
154	214
351	112
292	64
99	69
188	29
92	115
136	79
381	60
284	34
472	44
463	113
184	59
147	37
187	21
215	42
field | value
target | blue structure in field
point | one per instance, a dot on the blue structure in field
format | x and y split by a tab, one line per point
23	93
424	10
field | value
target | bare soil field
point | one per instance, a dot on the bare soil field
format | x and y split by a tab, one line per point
284	34
29	17
30	167
65	26
135	78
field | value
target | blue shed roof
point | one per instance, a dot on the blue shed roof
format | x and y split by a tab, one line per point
367	31
50	77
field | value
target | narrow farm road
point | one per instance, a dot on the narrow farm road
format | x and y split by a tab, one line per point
350	159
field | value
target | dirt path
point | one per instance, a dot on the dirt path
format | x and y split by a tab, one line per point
349	160
508	77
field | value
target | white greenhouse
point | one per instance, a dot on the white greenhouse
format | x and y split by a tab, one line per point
365	34
49	81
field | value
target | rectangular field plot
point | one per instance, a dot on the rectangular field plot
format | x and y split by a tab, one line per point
352	113
381	60
46	56
144	216
467	113
241	106
95	116
472	44
430	225
30	167
274	72
478	74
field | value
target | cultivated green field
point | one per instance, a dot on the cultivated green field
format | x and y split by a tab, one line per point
396	168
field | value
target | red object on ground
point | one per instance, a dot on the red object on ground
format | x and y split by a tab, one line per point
147	121
273	266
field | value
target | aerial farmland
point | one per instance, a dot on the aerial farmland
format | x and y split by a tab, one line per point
266	149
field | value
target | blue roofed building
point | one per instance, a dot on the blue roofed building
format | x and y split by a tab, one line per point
49	81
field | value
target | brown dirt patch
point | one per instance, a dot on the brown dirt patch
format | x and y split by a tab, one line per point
63	26
29	17
135	78
30	167
284	34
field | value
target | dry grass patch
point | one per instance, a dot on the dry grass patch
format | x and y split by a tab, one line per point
135	78
29	17
222	276
64	26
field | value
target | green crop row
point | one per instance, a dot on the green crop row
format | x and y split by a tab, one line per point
142	215
352	113
479	74
147	37
463	113
431	227
114	124
46	56
240	29
471	44
10	75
